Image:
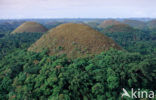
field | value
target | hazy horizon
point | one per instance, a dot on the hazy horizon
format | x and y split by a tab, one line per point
28	9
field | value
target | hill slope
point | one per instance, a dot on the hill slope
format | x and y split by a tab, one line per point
30	27
75	40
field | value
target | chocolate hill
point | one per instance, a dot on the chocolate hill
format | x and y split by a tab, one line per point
108	23
136	24
119	28
75	40
30	27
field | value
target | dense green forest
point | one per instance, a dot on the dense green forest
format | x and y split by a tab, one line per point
10	43
29	76
37	76
141	41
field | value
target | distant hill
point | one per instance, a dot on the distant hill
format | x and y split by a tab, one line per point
136	24
119	28
108	23
75	40
30	27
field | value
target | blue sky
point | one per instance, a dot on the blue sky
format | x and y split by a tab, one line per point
77	8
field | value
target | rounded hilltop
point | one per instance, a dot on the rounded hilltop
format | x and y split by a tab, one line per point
108	23
32	27
75	40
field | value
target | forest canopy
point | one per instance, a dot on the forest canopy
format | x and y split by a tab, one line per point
29	75
26	75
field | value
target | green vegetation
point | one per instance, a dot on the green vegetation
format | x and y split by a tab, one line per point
10	43
8	25
136	24
143	42
27	75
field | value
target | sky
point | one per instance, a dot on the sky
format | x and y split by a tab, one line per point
14	9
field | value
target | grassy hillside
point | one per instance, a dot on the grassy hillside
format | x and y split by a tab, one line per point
74	40
30	27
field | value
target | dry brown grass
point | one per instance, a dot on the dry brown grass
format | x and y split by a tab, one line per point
30	27
75	40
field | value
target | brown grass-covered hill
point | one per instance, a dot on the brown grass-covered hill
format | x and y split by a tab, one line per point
136	24
75	40
30	27
152	24
108	23
119	28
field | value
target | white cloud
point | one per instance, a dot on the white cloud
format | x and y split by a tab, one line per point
77	8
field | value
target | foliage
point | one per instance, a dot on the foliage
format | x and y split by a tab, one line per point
33	76
143	42
10	43
37	76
